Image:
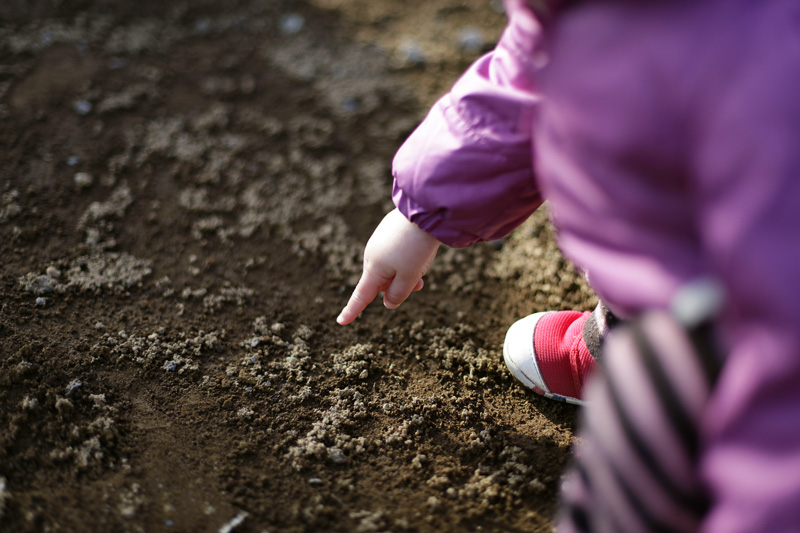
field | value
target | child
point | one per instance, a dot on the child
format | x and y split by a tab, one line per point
666	137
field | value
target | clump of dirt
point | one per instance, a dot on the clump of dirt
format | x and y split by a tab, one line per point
555	283
187	190
100	270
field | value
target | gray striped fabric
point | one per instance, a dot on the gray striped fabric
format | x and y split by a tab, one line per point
634	465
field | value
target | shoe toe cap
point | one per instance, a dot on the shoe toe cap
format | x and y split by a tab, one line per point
519	354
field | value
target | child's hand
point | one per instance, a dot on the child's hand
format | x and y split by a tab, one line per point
397	255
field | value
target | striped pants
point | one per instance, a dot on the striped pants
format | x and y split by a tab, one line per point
637	446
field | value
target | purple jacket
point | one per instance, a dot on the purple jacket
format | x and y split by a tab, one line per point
666	138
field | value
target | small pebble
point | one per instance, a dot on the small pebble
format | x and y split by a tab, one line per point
234	522
73	385
83	107
202	26
419	461
337	456
433	503
471	40
83	180
314	481
292	23
43	285
350	105
411	54
41	301
53	272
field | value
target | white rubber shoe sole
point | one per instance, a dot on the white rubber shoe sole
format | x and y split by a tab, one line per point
520	358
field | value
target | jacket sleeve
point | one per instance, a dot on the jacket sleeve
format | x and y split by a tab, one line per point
465	174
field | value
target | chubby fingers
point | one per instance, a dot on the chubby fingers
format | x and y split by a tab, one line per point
366	290
399	290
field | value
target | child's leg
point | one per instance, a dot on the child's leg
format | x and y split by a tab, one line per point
635	469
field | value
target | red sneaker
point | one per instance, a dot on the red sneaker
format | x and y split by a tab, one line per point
547	353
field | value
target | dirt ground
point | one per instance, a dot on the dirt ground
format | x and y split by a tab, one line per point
185	191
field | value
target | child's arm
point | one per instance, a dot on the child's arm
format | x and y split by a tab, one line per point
396	257
465	175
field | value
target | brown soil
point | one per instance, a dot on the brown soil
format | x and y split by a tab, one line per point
185	194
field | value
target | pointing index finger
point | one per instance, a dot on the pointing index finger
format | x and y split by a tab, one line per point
366	291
